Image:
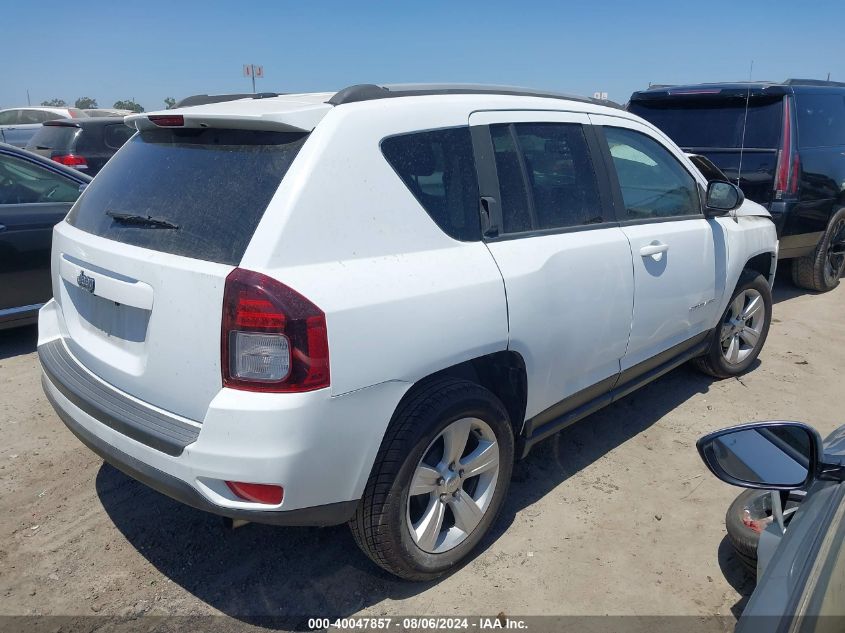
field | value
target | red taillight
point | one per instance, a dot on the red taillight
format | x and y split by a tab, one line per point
788	167
273	339
167	120
259	493
71	160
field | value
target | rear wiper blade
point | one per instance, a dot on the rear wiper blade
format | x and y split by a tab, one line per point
141	220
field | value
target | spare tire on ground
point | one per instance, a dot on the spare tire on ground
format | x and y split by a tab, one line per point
747	517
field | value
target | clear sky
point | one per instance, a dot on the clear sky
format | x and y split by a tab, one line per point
150	50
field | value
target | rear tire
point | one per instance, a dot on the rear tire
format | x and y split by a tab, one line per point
389	524
732	356
821	269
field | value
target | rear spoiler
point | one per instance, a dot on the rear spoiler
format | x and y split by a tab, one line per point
302	119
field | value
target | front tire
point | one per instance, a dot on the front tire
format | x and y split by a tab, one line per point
737	340
439	480
821	269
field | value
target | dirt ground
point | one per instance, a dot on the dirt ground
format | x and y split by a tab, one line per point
616	515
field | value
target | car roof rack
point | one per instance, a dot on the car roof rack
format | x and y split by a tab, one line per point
369	92
813	82
195	100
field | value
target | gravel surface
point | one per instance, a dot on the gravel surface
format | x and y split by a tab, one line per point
616	515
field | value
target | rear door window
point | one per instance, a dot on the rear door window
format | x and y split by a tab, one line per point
821	120
653	183
439	169
9	117
213	184
546	176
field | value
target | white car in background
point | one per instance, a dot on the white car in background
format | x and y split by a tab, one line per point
106	112
362	307
18	125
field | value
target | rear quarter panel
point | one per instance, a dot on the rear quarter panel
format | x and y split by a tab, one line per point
402	299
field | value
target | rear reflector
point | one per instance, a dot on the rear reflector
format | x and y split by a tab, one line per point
71	160
167	120
258	493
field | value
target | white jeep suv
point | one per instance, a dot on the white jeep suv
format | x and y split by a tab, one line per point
319	308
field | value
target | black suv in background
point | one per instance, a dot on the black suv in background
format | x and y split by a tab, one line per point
84	144
784	144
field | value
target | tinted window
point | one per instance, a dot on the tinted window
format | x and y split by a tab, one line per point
213	184
560	174
821	120
22	182
516	211
9	117
115	135
562	190
715	122
56	137
654	184
439	169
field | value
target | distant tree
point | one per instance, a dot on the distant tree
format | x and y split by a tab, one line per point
55	103
85	103
128	104
169	102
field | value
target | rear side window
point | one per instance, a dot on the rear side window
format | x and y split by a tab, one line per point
9	117
214	185
716	122
115	135
55	137
546	176
821	120
439	169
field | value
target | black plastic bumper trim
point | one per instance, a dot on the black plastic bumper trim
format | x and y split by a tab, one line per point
157	430
175	488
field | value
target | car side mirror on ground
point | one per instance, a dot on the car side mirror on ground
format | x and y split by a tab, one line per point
722	197
769	455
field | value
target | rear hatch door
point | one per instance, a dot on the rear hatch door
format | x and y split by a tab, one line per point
54	138
139	266
742	141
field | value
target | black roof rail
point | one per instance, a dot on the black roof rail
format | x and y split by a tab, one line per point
195	100
813	82
369	92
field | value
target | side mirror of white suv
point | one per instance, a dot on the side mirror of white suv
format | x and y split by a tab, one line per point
722	197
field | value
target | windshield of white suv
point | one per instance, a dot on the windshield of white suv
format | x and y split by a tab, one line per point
211	186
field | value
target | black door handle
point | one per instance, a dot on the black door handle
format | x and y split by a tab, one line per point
488	224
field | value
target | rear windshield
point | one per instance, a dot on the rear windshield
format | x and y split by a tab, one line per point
56	137
694	123
214	185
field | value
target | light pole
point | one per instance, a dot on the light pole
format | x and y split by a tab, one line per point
252	71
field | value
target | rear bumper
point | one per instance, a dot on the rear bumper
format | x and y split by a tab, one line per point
330	514
320	448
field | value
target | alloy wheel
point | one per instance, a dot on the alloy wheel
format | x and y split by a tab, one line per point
834	262
742	326
453	485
